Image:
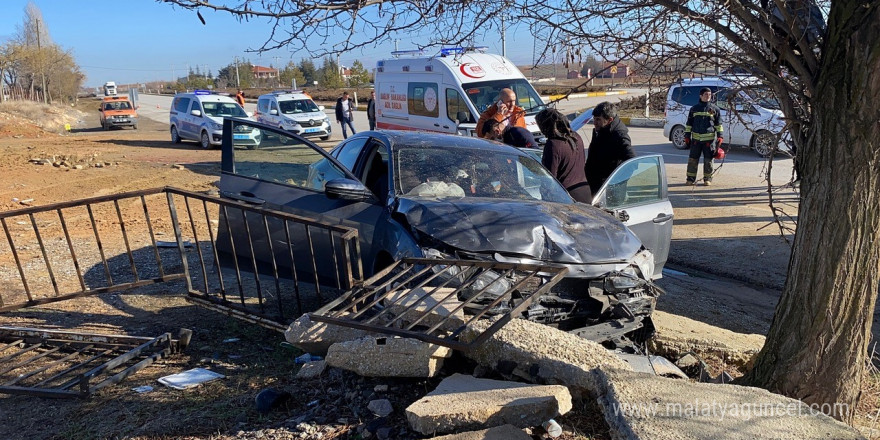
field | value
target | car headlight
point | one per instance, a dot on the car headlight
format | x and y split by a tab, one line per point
289	124
214	126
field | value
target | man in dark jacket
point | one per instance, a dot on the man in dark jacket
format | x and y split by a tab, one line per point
344	114
371	110
610	147
700	132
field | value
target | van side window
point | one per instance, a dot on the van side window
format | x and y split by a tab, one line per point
263	106
181	104
422	99
455	104
689	96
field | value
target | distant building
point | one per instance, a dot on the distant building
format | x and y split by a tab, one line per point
611	70
574	74
261	72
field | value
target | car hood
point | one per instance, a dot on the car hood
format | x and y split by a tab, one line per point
550	232
306	116
219	119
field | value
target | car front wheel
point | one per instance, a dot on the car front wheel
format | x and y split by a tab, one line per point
175	137
677	137
206	141
763	143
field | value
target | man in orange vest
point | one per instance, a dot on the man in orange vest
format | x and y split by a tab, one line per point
239	98
505	111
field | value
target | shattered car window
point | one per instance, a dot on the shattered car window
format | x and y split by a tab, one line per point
468	172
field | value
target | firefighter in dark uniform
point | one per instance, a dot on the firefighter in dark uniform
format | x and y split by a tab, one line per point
703	134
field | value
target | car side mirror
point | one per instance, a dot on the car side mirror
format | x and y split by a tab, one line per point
273	112
347	189
321	107
196	113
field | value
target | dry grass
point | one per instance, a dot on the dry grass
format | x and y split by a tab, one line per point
51	118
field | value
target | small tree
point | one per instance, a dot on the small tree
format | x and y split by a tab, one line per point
307	67
330	76
291	73
359	75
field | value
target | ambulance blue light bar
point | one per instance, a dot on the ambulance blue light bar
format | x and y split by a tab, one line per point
446	51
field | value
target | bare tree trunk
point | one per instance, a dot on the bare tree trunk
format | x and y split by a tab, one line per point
817	345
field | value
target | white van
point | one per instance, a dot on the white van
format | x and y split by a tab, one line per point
446	93
293	111
198	116
756	122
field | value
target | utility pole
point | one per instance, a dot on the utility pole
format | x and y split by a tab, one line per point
237	79
503	40
206	71
277	71
395	44
42	72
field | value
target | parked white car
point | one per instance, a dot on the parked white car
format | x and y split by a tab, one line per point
757	121
198	116
294	112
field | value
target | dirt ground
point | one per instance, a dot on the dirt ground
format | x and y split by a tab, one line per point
92	162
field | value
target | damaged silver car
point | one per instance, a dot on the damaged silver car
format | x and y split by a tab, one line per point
424	195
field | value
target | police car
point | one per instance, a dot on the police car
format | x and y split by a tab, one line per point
198	116
293	111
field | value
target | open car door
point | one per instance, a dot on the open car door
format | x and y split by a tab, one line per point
637	194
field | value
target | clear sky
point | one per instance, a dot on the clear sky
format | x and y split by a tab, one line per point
130	41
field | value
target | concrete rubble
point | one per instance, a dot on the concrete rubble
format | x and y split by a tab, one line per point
316	337
644	406
462	402
504	432
426	299
311	370
541	354
677	335
388	357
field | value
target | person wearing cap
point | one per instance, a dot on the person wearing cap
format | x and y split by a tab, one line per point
703	134
610	146
239	98
564	154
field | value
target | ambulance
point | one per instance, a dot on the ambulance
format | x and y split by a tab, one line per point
447	92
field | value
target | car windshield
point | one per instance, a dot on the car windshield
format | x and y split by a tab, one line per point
221	109
297	106
763	97
456	172
483	94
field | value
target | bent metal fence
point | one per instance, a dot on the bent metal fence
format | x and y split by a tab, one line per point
257	264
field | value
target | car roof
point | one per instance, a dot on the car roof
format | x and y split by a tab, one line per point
206	98
283	96
418	139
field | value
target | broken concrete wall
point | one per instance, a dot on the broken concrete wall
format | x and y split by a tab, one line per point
409	305
644	406
388	357
316	337
461	403
677	335
541	354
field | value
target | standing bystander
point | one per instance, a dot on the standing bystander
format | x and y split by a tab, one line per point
564	154
345	114
239	98
610	147
371	110
505	111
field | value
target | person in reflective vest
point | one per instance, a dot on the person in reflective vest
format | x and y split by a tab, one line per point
703	134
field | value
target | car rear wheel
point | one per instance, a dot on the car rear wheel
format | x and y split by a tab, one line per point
175	136
206	141
763	143
677	137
